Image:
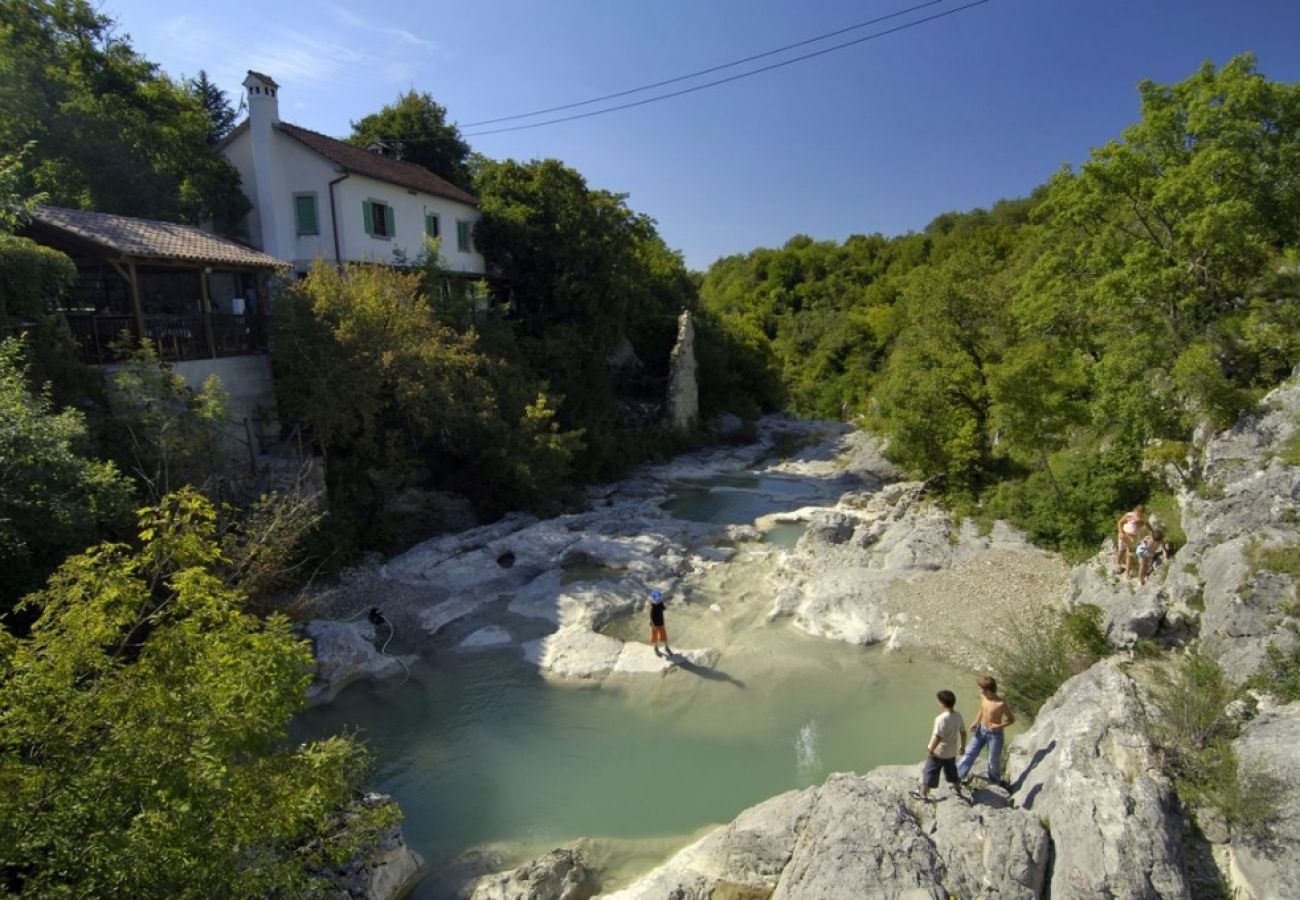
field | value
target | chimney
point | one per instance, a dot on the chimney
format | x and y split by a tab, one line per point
263	116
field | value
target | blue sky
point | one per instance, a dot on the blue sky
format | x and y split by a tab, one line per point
952	114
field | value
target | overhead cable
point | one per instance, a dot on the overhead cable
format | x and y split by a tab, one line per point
730	78
708	71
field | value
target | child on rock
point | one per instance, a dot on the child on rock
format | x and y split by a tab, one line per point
947	742
658	632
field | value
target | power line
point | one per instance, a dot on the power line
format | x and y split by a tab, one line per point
709	84
708	71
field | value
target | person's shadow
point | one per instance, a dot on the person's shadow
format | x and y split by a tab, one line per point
704	671
1028	801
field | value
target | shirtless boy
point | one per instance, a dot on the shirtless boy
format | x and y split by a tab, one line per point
994	715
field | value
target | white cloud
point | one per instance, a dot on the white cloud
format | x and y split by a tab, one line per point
352	20
307	56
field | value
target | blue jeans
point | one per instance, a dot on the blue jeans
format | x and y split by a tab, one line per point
979	737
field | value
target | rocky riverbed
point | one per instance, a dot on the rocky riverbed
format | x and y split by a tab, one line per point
1089	812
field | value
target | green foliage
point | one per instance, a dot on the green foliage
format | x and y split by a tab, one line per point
164	434
108	130
416	128
221	115
1283	559
362	360
1038	651
15	206
1291	452
1195	734
1281	674
1071	504
579	273
399	399
54	497
1163	508
142	728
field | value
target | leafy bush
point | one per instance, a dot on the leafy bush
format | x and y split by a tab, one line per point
1281	674
142	734
1041	649
1195	734
55	498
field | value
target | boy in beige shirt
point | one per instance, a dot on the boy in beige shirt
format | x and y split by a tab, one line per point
947	739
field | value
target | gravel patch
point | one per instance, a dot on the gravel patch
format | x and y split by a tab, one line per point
955	606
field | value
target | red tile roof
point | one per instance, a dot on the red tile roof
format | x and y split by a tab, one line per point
147	238
361	161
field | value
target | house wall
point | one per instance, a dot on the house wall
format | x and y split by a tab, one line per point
297	170
409	209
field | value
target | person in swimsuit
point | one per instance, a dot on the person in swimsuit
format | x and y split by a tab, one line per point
1128	531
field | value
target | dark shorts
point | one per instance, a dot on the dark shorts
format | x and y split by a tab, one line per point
933	765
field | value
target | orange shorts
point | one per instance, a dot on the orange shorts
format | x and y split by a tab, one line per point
658	634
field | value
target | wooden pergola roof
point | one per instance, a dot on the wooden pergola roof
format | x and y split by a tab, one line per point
142	240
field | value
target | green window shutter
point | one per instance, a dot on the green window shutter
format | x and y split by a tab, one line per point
462	236
431	225
305	207
388	222
368	212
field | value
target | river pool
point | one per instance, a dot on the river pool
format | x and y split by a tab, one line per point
479	749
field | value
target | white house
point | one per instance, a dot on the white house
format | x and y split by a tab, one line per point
317	197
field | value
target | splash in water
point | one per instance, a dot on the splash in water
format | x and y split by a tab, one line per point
807	757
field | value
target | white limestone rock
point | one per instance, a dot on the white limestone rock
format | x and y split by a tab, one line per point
575	652
859	837
561	874
1267	746
345	652
1088	768
491	636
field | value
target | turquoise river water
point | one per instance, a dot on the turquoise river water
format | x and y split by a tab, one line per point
480	750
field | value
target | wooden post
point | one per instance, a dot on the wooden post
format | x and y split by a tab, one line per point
207	311
142	332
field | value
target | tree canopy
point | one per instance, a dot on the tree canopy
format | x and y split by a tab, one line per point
142	734
108	130
1035	355
415	127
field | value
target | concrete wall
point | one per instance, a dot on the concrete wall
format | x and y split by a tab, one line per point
247	379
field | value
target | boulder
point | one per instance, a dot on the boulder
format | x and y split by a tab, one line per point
386	871
491	636
1130	612
1267	746
559	875
345	652
1088	769
859	837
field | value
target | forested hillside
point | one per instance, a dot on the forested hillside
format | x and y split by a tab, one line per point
1049	359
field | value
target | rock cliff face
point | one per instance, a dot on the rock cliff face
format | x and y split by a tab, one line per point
1267	745
1089	770
1216	589
683	386
858	837
386	871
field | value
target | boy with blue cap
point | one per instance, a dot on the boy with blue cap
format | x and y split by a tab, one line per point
657	630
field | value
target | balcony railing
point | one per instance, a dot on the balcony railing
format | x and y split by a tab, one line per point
176	338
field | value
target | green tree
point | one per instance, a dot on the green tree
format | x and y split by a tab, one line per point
54	497
1151	246
164	434
109	131
578	273
221	115
142	734
416	127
